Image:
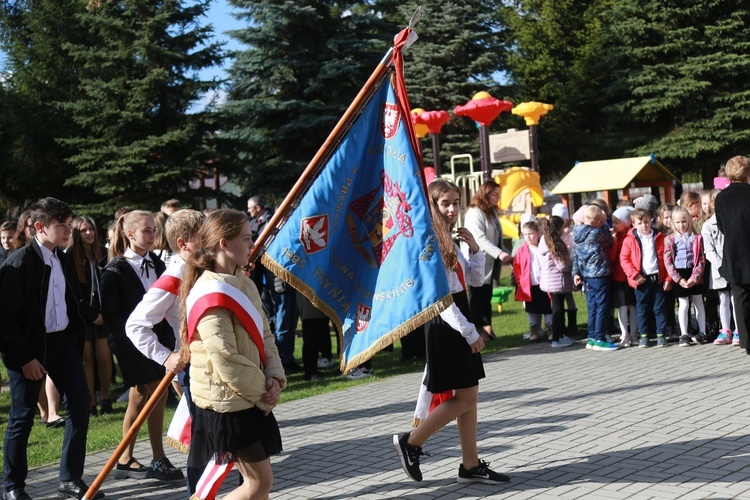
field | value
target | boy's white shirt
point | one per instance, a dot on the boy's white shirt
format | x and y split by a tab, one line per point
156	305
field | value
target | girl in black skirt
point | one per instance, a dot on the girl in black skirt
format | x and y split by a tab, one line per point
685	263
132	269
236	375
454	362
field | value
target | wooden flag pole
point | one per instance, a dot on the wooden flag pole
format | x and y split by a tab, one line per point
316	163
130	436
312	169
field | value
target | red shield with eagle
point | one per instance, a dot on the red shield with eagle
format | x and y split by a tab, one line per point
314	233
363	317
390	119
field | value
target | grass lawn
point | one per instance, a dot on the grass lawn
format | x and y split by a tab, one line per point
105	431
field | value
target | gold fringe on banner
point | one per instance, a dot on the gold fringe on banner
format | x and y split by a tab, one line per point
176	444
387	339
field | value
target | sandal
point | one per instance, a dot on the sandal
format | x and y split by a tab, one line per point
163	470
127	471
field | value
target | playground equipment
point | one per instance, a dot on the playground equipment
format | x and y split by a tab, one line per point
619	174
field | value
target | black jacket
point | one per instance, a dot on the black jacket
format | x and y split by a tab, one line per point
24	281
89	294
733	220
122	290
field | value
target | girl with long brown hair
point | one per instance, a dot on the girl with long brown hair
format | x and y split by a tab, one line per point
556	278
454	362
86	255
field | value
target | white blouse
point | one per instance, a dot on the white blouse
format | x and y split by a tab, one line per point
147	277
474	275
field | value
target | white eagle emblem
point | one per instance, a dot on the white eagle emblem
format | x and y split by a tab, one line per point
314	233
391	119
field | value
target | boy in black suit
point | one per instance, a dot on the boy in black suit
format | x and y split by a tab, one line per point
43	334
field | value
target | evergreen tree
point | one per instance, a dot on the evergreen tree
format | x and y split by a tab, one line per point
139	81
38	74
681	80
556	56
304	63
459	53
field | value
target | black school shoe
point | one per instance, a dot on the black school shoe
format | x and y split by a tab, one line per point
408	455
129	471
75	489
163	470
481	474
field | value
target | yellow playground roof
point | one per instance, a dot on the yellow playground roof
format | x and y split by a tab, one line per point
605	175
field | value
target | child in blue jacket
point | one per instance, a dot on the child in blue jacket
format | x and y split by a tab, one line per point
592	267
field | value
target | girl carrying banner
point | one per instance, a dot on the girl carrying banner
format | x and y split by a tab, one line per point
454	362
236	374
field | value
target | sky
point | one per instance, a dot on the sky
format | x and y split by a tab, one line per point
219	15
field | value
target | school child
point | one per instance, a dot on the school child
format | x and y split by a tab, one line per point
691	201
527	272
710	295
642	261
713	245
131	271
664	218
663	224
621	225
42	334
556	278
571	310
454	362
684	260
86	255
162	301
237	375
591	266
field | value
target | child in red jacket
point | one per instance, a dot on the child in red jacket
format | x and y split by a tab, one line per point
621	224
642	260
527	272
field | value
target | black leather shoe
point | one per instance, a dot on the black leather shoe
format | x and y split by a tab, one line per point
75	489
17	494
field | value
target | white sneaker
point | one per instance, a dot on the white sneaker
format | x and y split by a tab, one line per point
562	342
325	363
359	373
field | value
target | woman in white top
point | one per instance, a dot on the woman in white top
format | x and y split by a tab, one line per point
482	221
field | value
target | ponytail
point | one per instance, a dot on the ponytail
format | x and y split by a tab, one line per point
127	222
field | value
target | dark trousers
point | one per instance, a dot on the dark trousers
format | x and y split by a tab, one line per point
64	364
597	303
193	473
650	305
314	331
558	315
286	324
480	303
741	295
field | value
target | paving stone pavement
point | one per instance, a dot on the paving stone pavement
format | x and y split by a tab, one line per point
566	423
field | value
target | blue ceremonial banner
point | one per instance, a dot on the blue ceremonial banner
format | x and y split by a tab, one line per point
360	244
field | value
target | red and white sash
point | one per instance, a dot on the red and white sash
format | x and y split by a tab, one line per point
207	295
171	279
212	478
